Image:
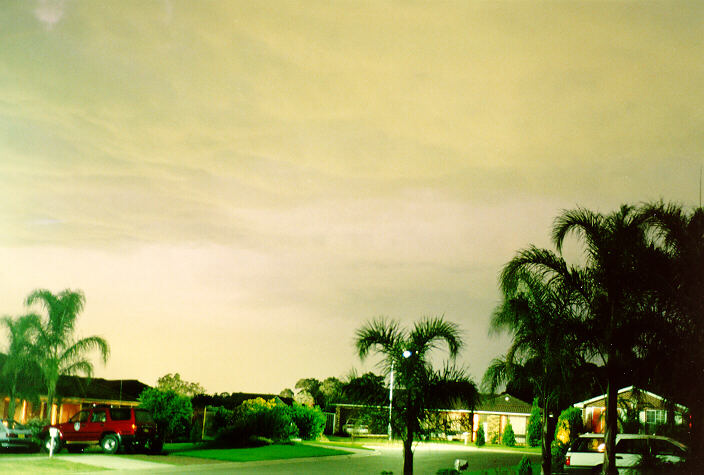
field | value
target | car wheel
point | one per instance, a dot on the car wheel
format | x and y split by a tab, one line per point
110	444
46	446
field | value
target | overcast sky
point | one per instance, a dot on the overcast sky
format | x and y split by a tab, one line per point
238	186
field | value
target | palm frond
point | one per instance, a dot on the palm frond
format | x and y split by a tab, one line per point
428	332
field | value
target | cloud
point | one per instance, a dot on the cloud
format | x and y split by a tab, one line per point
49	12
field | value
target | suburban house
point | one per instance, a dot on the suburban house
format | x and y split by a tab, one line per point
492	413
75	393
650	410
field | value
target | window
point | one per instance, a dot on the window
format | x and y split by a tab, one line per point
120	414
588	444
655	416
664	447
142	416
632	446
80	417
98	416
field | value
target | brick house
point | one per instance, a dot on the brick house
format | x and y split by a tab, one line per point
652	410
75	393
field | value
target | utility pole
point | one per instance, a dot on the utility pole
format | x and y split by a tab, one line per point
391	398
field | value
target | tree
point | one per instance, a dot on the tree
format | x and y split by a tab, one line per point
311	386
509	437
173	382
330	391
612	290
681	236
408	352
287	392
20	373
541	318
534	425
55	349
172	411
366	389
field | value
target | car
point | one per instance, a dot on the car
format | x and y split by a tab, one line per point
355	428
14	435
586	453
112	428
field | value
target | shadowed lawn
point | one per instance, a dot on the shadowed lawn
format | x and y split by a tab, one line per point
269	452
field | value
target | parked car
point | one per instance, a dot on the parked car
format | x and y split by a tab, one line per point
586	454
110	427
14	435
355	428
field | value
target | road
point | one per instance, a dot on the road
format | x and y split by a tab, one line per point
428	460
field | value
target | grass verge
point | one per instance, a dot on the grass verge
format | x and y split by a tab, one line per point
268	452
44	465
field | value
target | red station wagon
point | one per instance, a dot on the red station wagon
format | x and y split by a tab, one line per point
111	427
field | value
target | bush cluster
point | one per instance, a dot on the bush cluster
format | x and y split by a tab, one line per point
481	439
257	421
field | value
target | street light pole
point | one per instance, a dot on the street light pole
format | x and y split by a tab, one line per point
391	398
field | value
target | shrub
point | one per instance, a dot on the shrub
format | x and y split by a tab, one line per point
525	467
480	437
495	438
509	438
172	412
534	425
36	426
310	421
569	425
256	421
217	418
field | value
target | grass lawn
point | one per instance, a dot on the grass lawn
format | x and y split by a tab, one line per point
268	452
43	465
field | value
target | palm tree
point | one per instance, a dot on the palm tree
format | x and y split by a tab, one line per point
408	353
544	352
19	371
611	288
681	235
56	350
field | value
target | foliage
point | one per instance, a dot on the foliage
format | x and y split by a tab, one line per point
569	426
308	392
509	438
330	391
287	392
481	438
304	398
36	425
255	419
407	352
217	419
19	371
368	389
495	438
172	411
173	382
534	425
55	350
310	421
525	467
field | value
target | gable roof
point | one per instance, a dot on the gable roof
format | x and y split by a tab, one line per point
127	390
626	393
504	404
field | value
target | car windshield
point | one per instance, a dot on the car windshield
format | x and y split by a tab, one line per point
80	417
10	424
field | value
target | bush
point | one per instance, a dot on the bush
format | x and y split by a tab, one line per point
172	412
525	467
534	435
569	425
217	418
310	421
495	438
36	426
256	421
509	438
480	437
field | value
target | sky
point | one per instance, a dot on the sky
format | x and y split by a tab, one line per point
237	187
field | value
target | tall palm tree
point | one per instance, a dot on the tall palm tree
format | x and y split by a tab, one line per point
408	352
545	348
19	371
681	235
612	287
56	350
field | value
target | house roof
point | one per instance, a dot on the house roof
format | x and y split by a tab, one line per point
600	400
504	404
99	388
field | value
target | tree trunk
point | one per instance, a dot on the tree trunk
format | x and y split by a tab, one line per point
611	423
408	455
11	404
546	462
